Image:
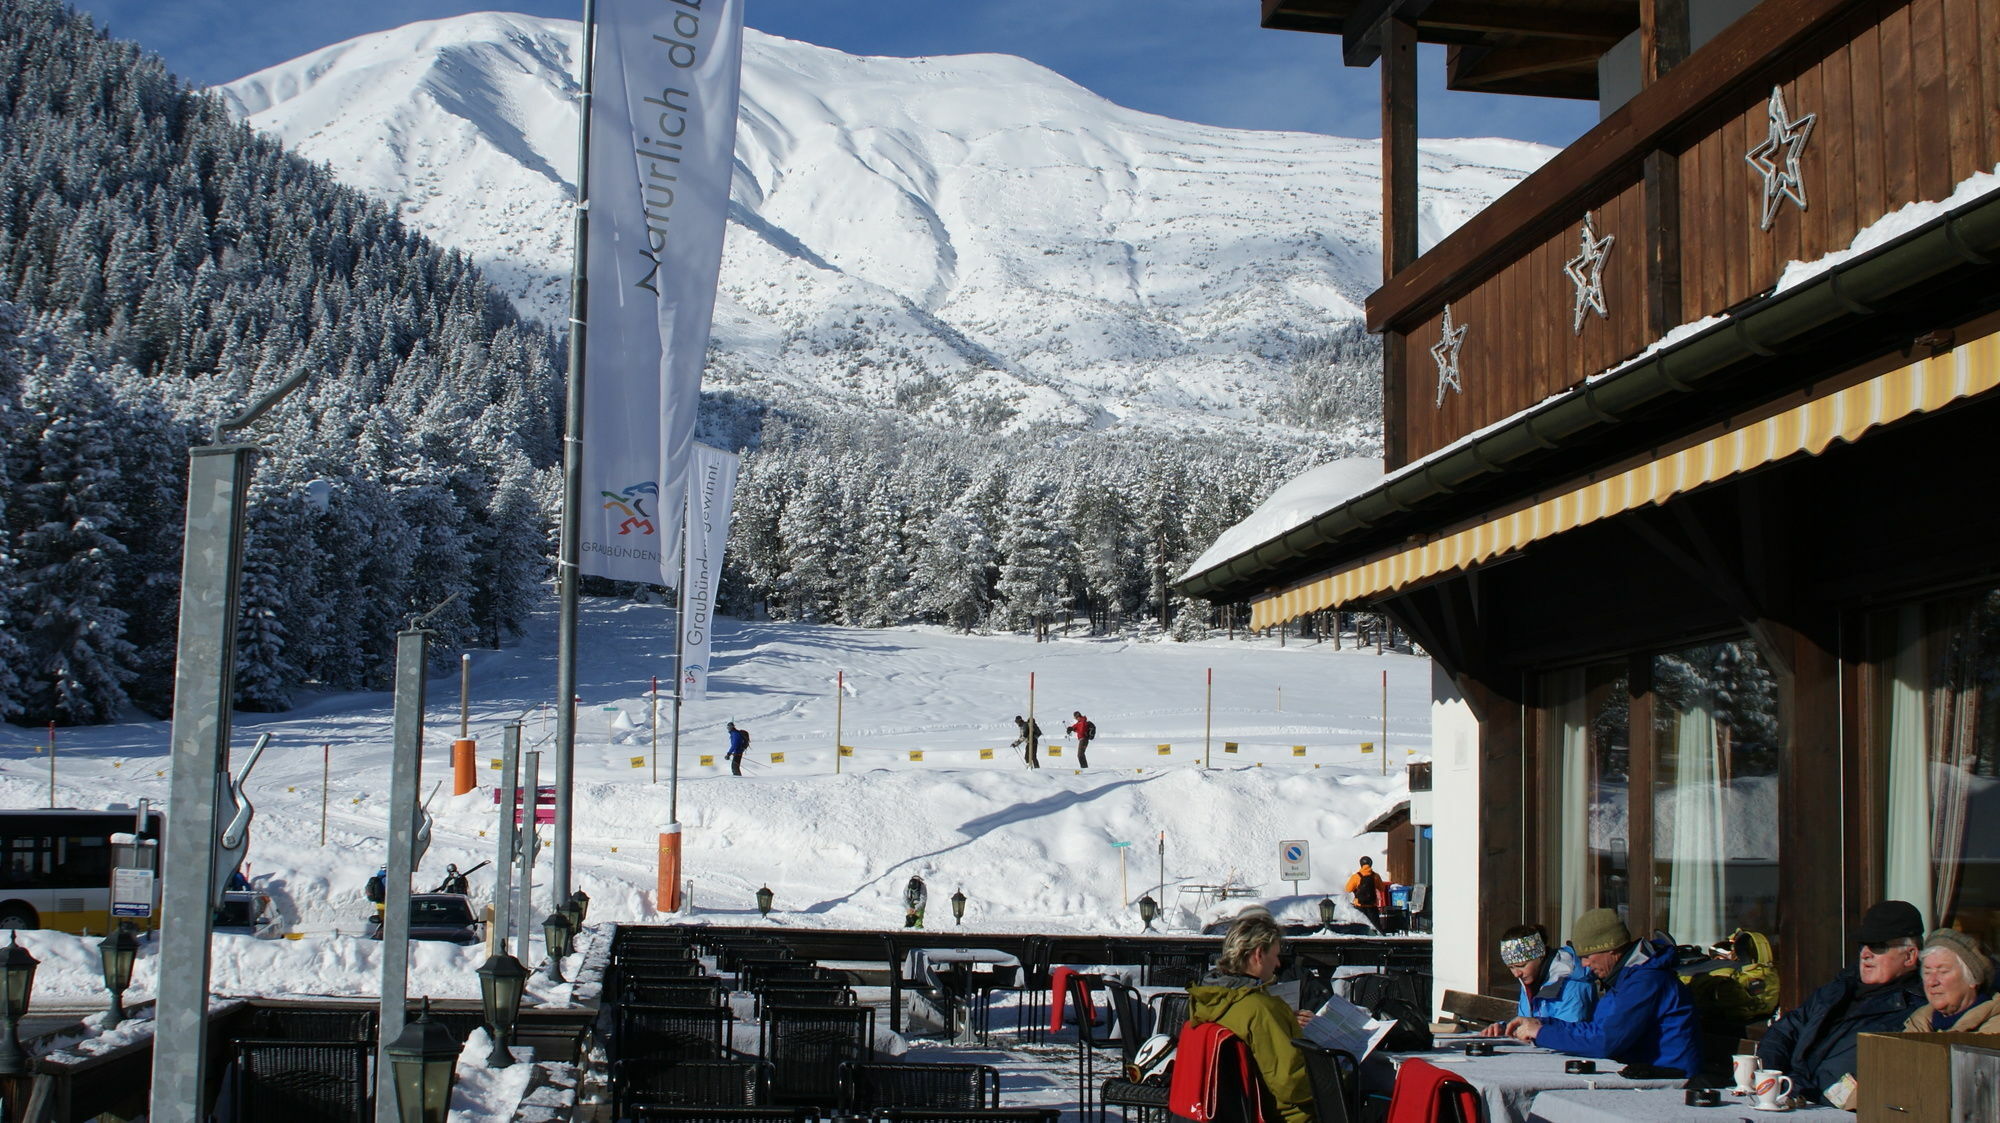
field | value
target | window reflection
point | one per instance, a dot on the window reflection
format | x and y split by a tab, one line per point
1591	707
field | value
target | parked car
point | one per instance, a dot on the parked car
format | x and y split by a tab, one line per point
439	916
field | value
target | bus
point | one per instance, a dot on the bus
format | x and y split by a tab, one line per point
55	866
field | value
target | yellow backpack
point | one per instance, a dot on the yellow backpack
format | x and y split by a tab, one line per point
1739	987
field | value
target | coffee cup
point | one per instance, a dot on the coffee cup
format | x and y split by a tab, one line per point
1744	1067
1702	1097
1583	1068
1773	1089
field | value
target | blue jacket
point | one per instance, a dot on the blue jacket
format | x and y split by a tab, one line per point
738	740
1816	1042
1568	990
1644	1016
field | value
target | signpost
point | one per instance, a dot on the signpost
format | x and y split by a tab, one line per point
1124	898
1294	859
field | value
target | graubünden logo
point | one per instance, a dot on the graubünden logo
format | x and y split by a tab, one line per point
631	503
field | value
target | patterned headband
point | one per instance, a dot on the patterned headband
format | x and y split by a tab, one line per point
1523	949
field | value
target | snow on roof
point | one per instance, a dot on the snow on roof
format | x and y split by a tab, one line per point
1297	500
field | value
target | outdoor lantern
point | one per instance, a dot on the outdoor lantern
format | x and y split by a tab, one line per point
118	950
425	1060
582	902
501	981
1326	912
764	901
1148	909
556	935
958	906
17	982
573	913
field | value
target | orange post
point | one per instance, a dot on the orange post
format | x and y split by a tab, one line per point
464	775
670	868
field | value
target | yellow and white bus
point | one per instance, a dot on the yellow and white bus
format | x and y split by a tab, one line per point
55	866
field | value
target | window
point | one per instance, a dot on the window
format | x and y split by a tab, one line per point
1936	721
1592	754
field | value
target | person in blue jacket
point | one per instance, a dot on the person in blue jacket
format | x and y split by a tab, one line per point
1644	1017
739	743
1816	1042
1554	984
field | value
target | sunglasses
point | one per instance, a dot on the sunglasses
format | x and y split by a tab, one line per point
1883	949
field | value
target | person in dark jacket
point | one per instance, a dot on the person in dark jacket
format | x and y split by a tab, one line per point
1644	1018
739	743
1029	740
1815	1043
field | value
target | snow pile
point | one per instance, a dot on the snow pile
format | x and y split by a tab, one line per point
952	237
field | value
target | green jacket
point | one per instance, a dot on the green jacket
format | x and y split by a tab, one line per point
1267	1025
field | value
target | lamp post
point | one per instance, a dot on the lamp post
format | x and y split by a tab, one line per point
118	951
1148	909
501	981
958	906
1326	912
764	901
582	902
17	983
556	935
425	1059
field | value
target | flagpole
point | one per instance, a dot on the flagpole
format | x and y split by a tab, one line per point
567	568
680	677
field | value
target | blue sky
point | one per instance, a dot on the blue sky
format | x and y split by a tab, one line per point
1197	60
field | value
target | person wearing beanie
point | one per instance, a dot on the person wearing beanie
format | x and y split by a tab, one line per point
1958	980
1815	1043
1368	893
1554	983
1644	1018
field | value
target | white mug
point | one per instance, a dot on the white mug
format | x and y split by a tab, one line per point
1745	1067
1774	1088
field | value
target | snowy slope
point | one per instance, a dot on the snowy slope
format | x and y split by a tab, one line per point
1030	848
967	238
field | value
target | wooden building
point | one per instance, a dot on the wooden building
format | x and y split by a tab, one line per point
1691	448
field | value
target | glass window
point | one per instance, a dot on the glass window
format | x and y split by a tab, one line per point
1715	791
1591	710
1937	707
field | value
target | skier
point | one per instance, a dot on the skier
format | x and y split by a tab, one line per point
377	890
1030	736
1085	731
739	742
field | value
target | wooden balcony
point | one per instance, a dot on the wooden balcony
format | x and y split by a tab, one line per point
1905	100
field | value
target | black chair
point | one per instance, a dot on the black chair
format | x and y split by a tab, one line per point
758	974
672	1033
303	1081
727	1114
1336	1082
1035	980
1126	1018
918	1087
731	951
1143	1103
806	1045
704	991
700	1084
984	1115
822	992
1170	1012
284	1023
1171	968
661	969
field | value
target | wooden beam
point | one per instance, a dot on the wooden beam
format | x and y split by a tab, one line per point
1512	62
1395	407
1364	34
1606	26
1663	38
1660	200
1399	148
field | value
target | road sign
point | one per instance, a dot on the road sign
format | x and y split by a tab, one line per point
1294	860
131	892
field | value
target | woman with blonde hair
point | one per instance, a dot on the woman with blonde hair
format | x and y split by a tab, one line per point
1235	995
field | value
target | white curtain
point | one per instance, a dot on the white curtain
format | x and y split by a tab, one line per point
1954	723
1694	901
1906	870
1577	868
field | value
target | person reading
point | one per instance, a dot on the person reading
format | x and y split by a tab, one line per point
1554	982
1235	995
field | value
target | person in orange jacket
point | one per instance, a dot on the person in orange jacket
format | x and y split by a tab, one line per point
1368	892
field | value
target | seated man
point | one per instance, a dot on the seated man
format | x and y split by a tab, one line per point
1644	1018
1815	1042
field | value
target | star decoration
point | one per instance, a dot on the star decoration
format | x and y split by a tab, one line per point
1781	177
1586	272
1445	351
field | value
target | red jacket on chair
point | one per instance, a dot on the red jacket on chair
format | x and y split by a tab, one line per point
1215	1078
1425	1093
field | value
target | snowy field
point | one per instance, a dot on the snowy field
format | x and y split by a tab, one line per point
1031	849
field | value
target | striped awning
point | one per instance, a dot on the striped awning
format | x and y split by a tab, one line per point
1807	429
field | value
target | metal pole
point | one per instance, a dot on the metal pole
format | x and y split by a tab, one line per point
503	862
52	764
1161	893
567	565
406	779
1385	723
1034	750
839	714
1208	720
325	781
654	699
204	681
680	677
531	793
465	697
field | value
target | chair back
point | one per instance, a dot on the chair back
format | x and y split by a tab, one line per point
671	1033
1134	1019
980	1115
801	992
1425	1093
1215	1078
287	1023
1336	1082
918	1087
1170	1011
706	990
1172	968
638	1081
303	1081
806	1045
727	1114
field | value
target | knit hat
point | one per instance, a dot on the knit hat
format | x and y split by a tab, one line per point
1523	950
1890	920
1978	964
1599	930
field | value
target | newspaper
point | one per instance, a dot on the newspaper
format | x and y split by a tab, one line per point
1342	1025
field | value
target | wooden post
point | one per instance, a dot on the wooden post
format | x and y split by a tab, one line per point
325	778
839	712
1399	147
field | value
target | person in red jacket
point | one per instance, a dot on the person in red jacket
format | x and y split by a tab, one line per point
1083	729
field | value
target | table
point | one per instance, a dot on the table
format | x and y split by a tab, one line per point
1511	1079
955	973
1658	1106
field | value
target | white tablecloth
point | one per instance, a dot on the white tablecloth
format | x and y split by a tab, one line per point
1510	1079
1661	1106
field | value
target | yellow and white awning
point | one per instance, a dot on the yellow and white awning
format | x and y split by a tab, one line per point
1807	429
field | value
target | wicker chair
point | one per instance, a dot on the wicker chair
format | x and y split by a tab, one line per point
303	1081
701	1084
800	992
918	1087
806	1045
1170	1012
704	991
284	1023
1172	968
672	1033
1336	1082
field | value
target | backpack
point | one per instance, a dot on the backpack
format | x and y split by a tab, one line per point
1368	893
1089	730
1735	991
377	888
746	737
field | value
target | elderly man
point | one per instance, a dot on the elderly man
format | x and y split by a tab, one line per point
1816	1041
1644	1018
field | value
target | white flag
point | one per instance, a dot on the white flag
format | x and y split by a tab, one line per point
662	147
711	491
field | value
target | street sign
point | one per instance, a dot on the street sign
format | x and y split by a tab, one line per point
131	892
1294	860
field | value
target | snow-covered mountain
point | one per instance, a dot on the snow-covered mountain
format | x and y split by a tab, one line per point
967	239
